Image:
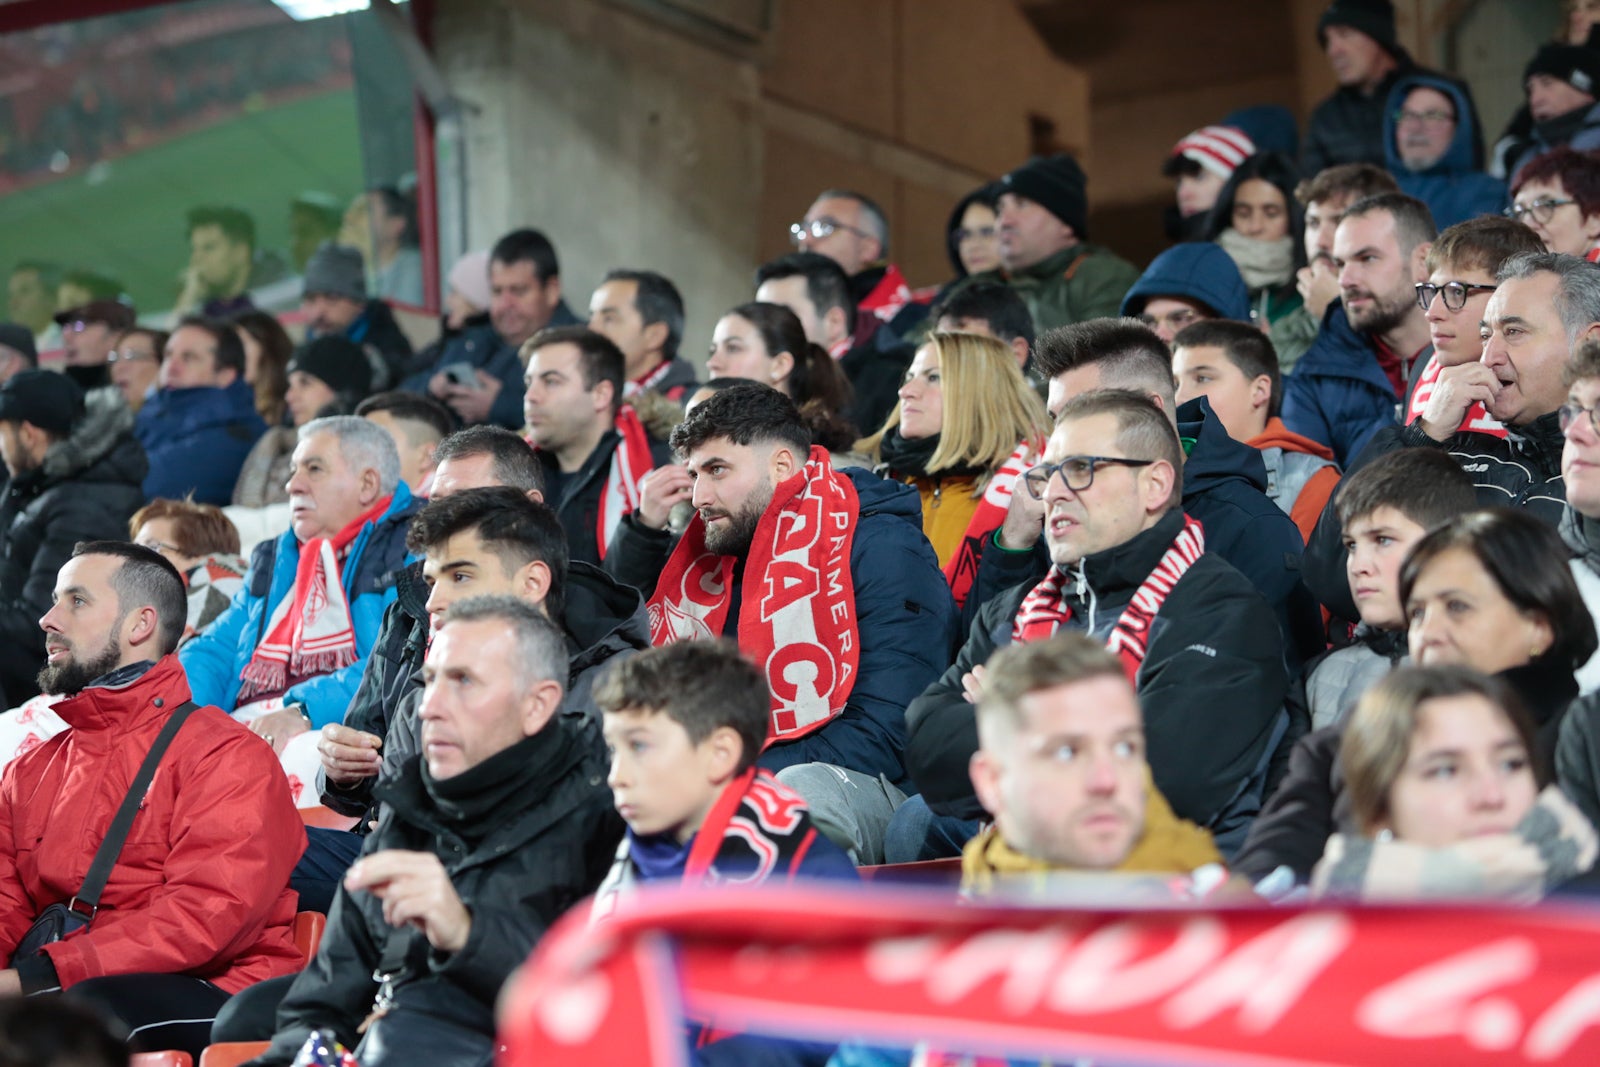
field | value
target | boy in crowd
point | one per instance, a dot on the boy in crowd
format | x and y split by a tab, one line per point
1234	365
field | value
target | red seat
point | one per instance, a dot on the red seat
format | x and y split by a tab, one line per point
232	1053
161	1059
308	927
327	818
923	872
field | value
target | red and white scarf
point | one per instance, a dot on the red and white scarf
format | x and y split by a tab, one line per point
1044	610
798	616
889	297
1478	419
629	464
962	570
650	379
310	632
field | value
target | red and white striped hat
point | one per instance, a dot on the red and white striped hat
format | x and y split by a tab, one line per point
1219	149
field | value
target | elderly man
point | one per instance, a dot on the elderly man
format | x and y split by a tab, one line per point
1435	152
289	651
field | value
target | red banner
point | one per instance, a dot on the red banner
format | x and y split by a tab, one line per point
1457	985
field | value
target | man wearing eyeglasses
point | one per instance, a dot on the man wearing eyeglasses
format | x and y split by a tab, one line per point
1435	149
88	334
851	229
1578	751
1129	568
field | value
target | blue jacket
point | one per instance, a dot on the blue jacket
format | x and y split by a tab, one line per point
215	659
1199	271
197	439
1337	393
487	351
1455	188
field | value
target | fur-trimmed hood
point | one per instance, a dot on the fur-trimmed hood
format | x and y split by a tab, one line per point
102	439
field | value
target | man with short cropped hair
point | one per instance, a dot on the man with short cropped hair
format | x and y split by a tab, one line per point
223	264
1325	196
417	424
641	313
992	309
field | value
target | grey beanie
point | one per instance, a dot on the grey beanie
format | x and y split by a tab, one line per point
336	270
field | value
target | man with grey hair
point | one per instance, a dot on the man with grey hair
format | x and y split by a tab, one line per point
500	823
288	653
851	229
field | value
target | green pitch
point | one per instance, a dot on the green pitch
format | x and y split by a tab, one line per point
126	218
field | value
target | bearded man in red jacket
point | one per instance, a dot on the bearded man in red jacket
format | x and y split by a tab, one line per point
198	904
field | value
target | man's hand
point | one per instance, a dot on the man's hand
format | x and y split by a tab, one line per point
10	983
349	755
277	727
1454	391
1024	520
661	489
416	891
1318	285
972	684
472	403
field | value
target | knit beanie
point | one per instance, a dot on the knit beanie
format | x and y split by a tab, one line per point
470	278
1057	184
1576	64
1219	149
339	364
1375	18
336	270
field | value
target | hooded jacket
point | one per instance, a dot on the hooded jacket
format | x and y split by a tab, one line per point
1338	393
1455	188
215	659
86	488
1301	473
201	886
1211	685
377	332
1578	129
1201	272
577	504
484	348
197	440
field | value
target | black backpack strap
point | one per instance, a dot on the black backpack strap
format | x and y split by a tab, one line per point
87	902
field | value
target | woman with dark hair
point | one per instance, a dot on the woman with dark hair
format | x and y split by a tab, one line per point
972	239
1260	224
267	349
765	343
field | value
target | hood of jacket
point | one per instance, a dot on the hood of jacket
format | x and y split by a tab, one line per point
1215	457
1340	352
100	448
1465	154
181	411
1277	435
128	698
601	616
1201	272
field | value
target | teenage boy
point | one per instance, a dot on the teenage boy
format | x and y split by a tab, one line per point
1234	365
684	724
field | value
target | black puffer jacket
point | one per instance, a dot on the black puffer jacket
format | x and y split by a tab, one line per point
85	490
547	844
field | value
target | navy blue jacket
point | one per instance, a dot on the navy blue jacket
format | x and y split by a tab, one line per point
1338	394
486	350
197	439
1455	188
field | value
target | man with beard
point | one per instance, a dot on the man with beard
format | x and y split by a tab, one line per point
1350	382
822	576
197	905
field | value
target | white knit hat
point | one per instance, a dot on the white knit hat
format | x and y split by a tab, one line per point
1219	149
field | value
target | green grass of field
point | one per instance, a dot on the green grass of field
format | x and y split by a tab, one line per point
128	221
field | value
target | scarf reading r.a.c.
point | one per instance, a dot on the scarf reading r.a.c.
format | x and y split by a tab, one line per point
1044	610
798	617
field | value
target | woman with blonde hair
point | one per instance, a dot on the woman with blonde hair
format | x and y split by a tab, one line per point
964	430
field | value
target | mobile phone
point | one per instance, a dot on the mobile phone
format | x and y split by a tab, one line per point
462	374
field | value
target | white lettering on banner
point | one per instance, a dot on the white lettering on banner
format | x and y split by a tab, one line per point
1552	1036
1440	1000
1266	975
1105	974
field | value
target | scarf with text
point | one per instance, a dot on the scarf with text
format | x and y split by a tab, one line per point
1044	610
962	570
629	464
1477	420
310	632
798	617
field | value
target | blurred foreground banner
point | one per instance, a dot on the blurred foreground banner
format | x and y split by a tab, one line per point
1409	986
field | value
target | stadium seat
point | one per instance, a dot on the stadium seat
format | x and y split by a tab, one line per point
161	1059
923	872
327	818
232	1053
308	927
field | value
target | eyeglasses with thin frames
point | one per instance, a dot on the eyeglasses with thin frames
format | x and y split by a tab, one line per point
1076	471
818	228
1567	414
1455	293
1541	209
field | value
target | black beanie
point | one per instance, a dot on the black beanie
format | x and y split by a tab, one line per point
339	364
1375	18
1575	64
1057	184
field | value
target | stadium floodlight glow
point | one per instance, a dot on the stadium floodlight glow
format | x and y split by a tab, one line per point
305	10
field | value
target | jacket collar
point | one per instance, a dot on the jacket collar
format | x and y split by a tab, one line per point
1054	266
1541	440
127	698
1127	565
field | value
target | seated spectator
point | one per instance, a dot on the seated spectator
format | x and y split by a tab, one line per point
1580	455
327	376
1445	793
1092	814
874	638
1325	197
17	350
994	310
1127	562
224	264
685	724
1349	383
444	917
466	304
1434	143
853	231
417	424
267	351
75	470
198	904
298	635
1200	165
1185	284
88	334
200	424
135	363
972	237
1560	81
641	313
200	542
335	304
1462	267
1258	222
962	456
1557	195
766	343
1233	366
479	374
1358	37
381	224
817	291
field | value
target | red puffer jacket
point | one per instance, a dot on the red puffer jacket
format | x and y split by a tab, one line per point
201	886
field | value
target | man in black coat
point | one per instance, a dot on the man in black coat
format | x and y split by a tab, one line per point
487	837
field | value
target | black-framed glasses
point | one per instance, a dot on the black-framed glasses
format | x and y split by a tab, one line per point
1540	209
1076	471
1455	293
1568	413
821	227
